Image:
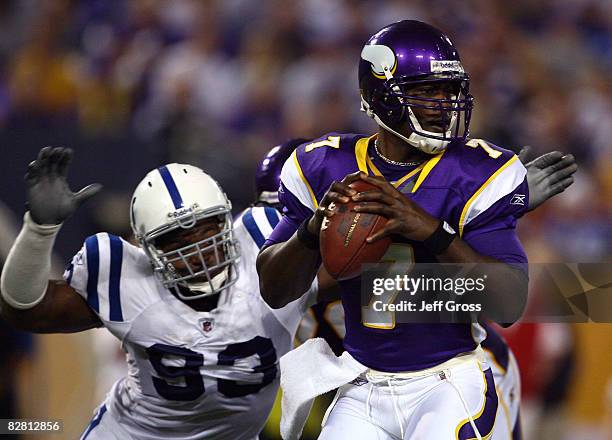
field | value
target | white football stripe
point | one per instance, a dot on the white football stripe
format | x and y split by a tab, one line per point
500	186
291	177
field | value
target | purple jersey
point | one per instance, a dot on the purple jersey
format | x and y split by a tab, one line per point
479	189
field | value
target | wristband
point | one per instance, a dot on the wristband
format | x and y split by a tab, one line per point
307	238
441	239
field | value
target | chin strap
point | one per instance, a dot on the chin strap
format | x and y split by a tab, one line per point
426	145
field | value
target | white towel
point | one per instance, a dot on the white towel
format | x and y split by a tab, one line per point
307	372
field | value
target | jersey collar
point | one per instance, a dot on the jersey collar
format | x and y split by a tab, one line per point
365	164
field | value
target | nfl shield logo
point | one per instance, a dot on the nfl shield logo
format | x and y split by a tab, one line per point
207	325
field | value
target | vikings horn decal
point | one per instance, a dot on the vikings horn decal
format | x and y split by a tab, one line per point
380	56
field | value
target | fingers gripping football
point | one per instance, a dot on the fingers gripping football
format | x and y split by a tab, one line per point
338	192
50	200
404	217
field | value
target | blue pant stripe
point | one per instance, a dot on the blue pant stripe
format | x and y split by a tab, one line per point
95	422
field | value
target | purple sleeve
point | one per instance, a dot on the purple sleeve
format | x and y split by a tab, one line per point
493	232
294	213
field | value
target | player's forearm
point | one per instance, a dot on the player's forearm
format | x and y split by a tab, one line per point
27	269
286	271
506	293
60	311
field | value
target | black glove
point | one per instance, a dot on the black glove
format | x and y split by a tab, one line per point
50	200
547	175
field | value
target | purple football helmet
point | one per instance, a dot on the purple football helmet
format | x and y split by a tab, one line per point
402	56
267	176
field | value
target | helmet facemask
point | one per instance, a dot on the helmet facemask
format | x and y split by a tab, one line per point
176	267
395	108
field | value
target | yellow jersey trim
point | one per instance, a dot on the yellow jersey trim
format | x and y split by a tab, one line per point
297	166
361	153
373	167
429	165
481	189
366	164
409	175
398	182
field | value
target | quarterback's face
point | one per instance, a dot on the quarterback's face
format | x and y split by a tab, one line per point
435	118
201	233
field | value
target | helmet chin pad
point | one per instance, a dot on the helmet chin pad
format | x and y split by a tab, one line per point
206	288
416	139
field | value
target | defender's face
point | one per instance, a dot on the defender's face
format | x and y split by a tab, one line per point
194	248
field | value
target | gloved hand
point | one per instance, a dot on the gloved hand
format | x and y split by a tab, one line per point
547	175
50	200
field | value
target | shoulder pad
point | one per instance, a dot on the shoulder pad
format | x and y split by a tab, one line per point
313	166
256	223
99	271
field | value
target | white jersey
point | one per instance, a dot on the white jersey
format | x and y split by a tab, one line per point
192	375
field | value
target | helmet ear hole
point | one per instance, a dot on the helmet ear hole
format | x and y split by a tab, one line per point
387	107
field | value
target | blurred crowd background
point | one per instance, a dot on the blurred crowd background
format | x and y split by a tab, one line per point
133	84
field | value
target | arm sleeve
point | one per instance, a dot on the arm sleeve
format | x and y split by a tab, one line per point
258	222
95	273
488	222
297	198
28	265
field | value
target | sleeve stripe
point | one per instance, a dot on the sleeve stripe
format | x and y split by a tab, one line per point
93	267
500	184
294	181
273	216
253	230
297	165
114	282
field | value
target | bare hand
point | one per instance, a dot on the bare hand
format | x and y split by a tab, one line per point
405	217
338	192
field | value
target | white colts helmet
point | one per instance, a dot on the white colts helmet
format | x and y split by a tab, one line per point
178	196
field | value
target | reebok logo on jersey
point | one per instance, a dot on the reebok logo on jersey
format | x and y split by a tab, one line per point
518	199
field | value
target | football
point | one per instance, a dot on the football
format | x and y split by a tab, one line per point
343	238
